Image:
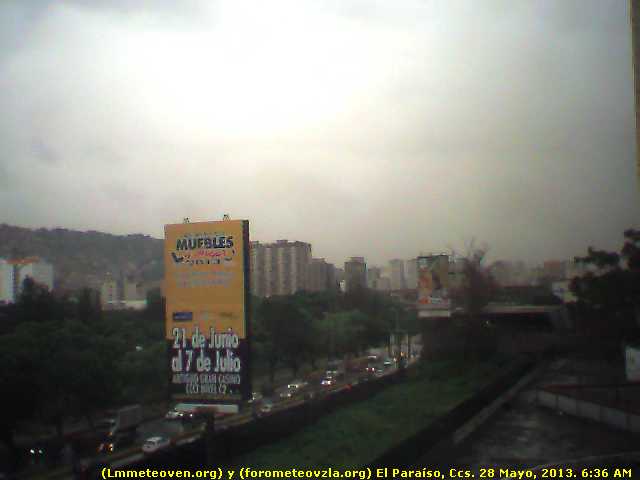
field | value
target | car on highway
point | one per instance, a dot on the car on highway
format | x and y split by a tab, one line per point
335	374
266	407
387	362
297	384
153	444
293	388
36	454
327	381
255	397
118	443
288	393
174	415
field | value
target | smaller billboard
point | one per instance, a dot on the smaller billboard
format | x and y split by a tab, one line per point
433	286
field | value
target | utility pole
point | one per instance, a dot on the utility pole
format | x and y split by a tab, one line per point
398	340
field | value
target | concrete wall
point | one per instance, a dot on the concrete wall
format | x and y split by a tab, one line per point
613	417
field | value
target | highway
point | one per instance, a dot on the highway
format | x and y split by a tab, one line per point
182	431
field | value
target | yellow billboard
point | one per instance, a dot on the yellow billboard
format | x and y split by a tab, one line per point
207	292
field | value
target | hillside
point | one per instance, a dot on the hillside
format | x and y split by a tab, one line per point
83	258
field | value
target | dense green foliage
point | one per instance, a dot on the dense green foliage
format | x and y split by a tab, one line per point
302	328
64	358
611	287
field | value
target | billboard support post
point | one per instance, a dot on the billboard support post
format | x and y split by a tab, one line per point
209	438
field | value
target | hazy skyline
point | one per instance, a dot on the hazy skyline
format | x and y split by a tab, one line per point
366	128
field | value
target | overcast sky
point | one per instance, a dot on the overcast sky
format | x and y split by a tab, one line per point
374	128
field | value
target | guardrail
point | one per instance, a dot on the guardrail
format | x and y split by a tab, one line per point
246	433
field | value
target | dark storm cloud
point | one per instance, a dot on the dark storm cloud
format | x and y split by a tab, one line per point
123	195
376	128
127	6
43	152
183	10
168	13
4	177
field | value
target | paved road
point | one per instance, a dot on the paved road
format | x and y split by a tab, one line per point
174	428
161	428
523	434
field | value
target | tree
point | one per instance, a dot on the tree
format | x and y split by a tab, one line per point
267	330
144	373
612	286
53	371
344	332
477	286
282	333
37	304
16	382
76	370
88	308
297	343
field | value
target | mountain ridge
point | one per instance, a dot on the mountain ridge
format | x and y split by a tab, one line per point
83	258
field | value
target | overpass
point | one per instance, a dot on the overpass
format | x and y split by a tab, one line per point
556	316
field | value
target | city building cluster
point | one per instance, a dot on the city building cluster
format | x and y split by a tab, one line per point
13	273
116	292
124	292
285	267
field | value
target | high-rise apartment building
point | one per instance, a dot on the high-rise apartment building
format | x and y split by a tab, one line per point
355	272
132	290
322	276
397	274
411	273
7	282
109	292
373	275
383	284
257	266
280	268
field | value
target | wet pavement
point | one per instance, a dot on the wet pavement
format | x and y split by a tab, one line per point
523	434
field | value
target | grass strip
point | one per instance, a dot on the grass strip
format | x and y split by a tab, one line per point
357	434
